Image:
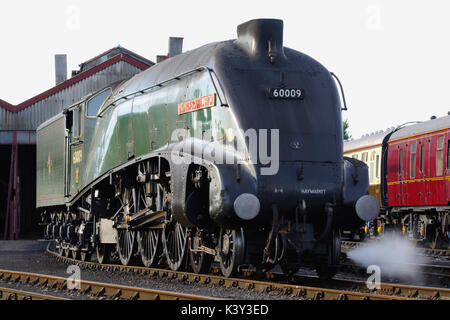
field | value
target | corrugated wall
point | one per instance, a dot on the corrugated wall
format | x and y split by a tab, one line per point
31	117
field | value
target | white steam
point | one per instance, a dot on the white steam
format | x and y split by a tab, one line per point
395	256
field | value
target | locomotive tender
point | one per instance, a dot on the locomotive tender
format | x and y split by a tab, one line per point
173	164
409	169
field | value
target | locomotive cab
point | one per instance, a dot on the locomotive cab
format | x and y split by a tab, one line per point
81	120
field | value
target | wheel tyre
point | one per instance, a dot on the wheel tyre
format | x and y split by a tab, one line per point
75	254
85	256
231	250
200	261
174	232
60	249
149	247
329	266
67	253
103	252
126	245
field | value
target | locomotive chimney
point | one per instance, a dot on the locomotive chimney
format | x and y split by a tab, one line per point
60	68
175	46
262	37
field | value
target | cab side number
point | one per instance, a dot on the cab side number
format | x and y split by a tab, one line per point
77	156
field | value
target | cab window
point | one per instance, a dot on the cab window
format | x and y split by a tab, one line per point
95	103
76	122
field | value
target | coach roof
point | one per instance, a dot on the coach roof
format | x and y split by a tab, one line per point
421	128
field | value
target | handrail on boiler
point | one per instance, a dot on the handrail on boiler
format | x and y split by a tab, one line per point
342	91
223	101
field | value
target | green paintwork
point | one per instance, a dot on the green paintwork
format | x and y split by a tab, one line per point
50	162
138	126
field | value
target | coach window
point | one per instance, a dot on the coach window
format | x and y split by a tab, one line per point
95	103
371	172
448	154
440	156
400	162
422	151
377	167
364	157
412	165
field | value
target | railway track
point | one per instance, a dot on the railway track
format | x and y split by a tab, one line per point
436	269
13	294
96	290
348	245
277	283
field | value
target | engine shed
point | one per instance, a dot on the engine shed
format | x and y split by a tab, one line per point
18	124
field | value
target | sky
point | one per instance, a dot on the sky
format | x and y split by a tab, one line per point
392	57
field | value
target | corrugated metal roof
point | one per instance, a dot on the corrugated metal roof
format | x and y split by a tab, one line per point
111	53
31	113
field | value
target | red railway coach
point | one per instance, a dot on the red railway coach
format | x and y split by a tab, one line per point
415	184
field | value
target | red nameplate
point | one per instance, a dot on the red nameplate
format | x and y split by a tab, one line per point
197	104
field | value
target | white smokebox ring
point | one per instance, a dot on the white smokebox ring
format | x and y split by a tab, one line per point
367	208
247	206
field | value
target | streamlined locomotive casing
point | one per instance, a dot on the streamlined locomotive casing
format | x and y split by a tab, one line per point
255	122
310	137
239	72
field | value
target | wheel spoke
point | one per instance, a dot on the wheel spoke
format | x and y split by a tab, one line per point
175	244
126	239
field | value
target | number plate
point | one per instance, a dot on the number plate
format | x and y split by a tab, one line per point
286	93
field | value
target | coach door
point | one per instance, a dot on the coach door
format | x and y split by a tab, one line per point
446	177
447	169
421	173
439	183
401	175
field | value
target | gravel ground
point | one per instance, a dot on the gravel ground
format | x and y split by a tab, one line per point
30	256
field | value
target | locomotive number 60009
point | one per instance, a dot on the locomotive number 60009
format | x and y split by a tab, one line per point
280	93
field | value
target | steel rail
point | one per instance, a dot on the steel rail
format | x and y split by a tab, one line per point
436	252
277	284
95	289
435	270
13	294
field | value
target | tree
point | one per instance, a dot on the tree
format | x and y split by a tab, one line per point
347	135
